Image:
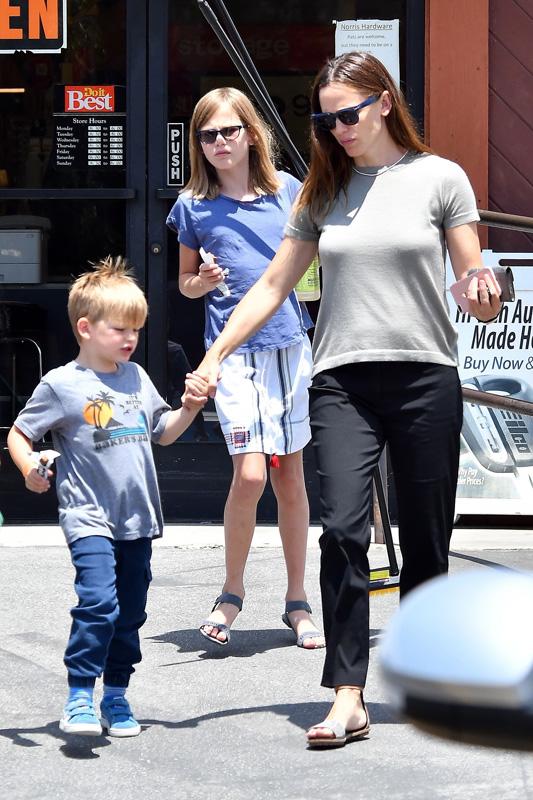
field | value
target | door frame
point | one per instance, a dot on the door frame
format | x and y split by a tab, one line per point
156	248
136	138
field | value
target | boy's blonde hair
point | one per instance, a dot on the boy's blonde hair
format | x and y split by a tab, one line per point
109	291
203	182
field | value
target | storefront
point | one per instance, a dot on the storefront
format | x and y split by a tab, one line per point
93	151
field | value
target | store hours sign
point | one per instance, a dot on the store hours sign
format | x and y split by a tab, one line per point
89	127
37	26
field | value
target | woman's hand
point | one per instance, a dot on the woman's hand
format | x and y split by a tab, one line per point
483	298
483	294
209	371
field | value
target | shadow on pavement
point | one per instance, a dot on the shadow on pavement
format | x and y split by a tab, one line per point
76	747
483	561
302	715
243	644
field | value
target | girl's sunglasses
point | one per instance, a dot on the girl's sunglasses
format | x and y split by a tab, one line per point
209	136
348	116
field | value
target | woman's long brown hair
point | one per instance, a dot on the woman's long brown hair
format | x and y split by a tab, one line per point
330	167
203	182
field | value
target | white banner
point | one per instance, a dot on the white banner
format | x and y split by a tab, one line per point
496	467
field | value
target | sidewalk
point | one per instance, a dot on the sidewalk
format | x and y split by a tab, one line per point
197	536
219	723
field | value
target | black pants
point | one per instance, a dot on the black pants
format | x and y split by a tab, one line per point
417	409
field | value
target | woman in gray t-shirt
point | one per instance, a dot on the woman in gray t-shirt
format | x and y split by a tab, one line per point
382	210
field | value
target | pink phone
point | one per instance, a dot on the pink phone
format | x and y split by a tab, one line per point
459	288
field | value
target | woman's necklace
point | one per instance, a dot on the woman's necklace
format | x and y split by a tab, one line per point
382	170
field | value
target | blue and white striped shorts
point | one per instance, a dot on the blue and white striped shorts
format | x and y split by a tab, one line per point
262	400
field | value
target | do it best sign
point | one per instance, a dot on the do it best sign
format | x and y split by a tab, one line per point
38	26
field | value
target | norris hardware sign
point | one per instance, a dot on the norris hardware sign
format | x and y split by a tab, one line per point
38	26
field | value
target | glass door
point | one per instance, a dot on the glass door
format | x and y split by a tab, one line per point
72	178
72	190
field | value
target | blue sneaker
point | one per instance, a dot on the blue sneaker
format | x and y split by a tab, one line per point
80	717
117	717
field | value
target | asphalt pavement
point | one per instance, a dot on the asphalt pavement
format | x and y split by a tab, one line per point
221	722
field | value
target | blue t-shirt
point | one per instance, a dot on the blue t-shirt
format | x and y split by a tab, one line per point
244	237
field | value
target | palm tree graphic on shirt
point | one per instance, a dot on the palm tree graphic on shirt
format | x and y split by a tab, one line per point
98	412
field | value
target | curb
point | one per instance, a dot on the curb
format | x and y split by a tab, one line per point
266	536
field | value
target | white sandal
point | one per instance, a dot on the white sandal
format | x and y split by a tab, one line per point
340	735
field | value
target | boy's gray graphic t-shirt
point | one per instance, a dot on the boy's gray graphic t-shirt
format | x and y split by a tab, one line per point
103	425
382	251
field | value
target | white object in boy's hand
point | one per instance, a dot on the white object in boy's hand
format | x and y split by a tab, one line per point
208	258
44	460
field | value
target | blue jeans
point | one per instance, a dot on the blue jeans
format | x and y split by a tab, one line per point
112	580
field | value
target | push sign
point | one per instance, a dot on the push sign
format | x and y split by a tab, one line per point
175	137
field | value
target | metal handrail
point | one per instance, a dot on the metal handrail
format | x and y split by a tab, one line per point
497	401
513	222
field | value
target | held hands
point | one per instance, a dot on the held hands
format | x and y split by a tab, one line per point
195	395
209	371
483	295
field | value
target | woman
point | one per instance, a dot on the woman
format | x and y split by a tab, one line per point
234	209
382	210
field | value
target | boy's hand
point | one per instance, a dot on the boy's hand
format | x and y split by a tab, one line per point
195	394
35	482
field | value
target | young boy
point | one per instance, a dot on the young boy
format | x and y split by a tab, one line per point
102	412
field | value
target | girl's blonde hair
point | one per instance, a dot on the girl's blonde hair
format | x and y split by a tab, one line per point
109	291
330	167
203	182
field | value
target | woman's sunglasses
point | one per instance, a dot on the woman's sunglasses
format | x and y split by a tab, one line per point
348	116
209	136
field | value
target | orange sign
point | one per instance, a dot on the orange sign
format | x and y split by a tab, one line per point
89	99
34	25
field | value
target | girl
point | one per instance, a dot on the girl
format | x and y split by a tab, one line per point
234	208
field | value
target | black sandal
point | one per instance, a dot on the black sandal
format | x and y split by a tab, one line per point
301	605
225	597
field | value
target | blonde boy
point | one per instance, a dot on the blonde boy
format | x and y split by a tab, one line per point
103	412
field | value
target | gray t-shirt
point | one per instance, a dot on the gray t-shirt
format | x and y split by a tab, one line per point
382	251
102	424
